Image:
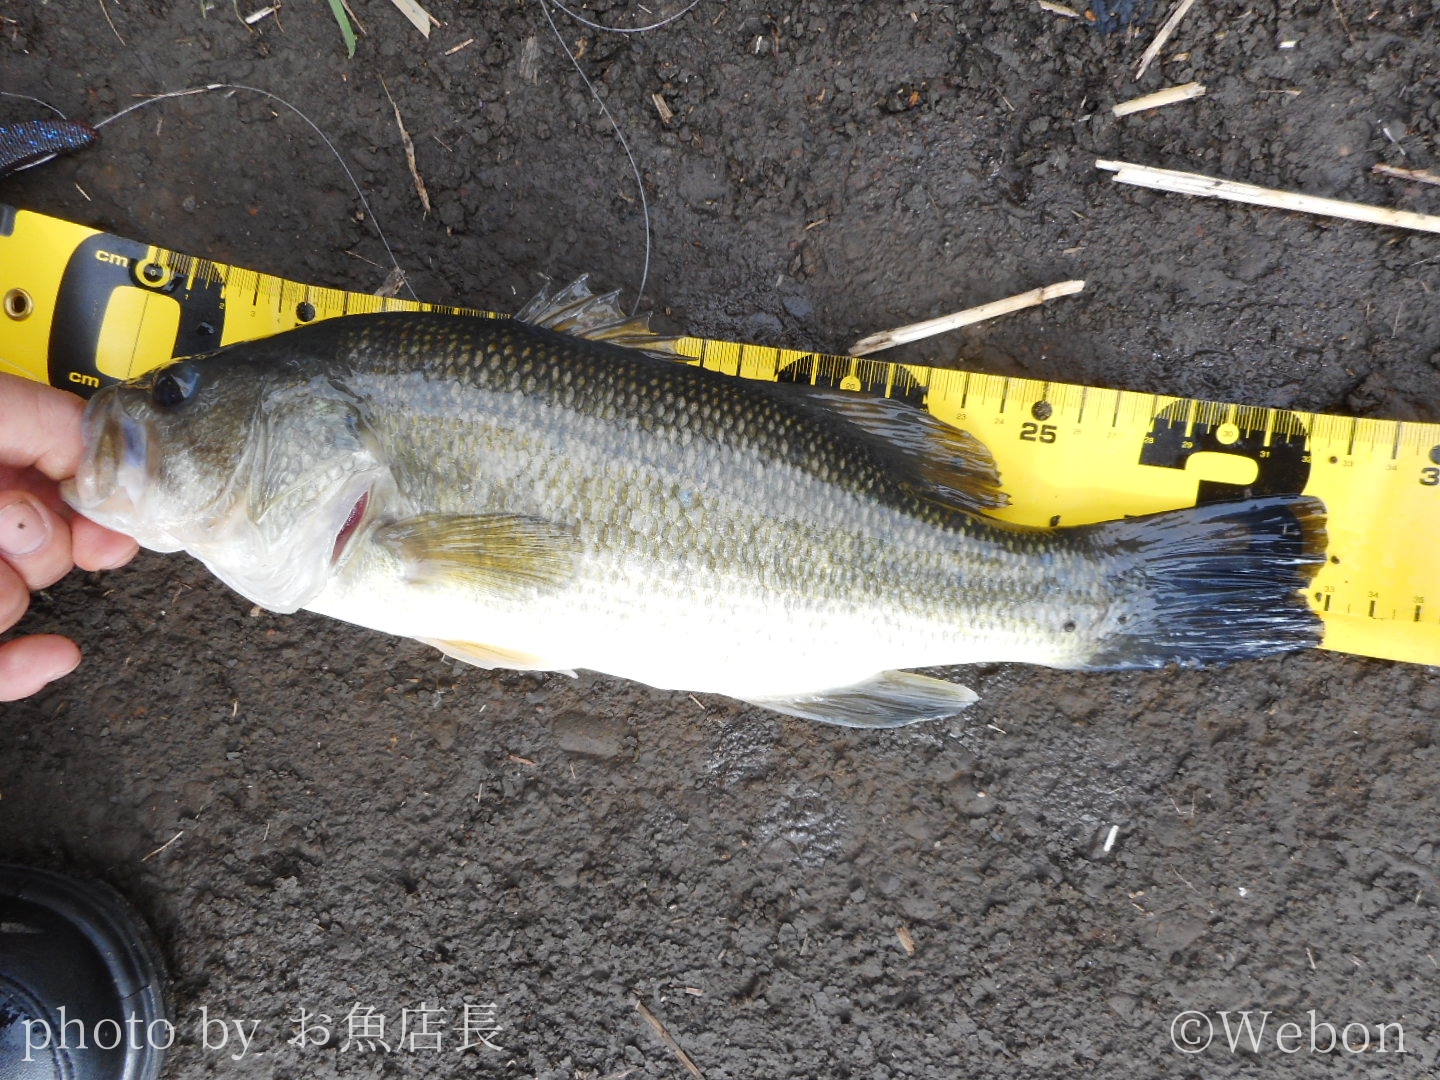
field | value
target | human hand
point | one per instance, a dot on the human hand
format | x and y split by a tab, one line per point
41	539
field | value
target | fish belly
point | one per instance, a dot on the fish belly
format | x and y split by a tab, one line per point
696	630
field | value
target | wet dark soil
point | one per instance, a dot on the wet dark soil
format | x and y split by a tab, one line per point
1077	874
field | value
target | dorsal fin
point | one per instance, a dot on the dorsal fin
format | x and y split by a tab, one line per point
577	311
933	459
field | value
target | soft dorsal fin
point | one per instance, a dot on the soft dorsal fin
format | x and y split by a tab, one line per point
935	460
577	311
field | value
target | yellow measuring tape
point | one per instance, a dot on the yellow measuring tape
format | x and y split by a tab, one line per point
82	308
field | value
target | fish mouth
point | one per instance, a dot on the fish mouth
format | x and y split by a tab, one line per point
112	479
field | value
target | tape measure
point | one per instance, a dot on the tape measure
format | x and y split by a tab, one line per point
83	308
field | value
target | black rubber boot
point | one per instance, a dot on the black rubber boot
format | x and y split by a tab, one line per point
81	982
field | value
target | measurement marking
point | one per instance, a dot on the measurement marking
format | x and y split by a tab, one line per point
1115	419
1004	393
1395	446
965	392
1084	396
1327	602
1372	609
1350	446
1417	612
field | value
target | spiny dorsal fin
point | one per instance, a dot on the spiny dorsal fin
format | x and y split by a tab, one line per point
577	311
501	553
935	460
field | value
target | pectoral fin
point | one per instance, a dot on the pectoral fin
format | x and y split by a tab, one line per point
499	553
890	699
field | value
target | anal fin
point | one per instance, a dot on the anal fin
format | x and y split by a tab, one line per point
889	699
489	656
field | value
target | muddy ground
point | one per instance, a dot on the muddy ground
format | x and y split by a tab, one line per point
317	819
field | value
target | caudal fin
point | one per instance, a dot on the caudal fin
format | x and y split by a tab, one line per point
1213	584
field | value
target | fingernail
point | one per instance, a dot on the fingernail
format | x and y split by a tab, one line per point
23	529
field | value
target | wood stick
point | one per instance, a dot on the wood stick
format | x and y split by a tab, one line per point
915	331
669	1040
418	16
1195	184
409	146
1169	96
1423	176
1163	36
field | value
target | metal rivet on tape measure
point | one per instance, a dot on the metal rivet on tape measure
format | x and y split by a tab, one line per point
18	304
153	275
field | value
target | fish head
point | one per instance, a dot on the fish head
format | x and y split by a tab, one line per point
260	464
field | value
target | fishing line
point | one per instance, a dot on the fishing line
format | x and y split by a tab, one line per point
37	101
629	29
624	143
545	6
370	215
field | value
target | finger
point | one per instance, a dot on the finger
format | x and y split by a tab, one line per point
29	663
34	540
95	547
39	427
14	596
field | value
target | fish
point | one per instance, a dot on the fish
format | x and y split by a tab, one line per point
556	492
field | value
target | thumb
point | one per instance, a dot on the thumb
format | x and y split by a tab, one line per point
34	540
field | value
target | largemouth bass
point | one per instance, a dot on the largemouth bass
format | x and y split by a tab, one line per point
525	498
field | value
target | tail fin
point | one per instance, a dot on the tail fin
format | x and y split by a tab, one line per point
1213	584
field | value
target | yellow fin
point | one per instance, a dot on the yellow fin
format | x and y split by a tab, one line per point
502	553
488	656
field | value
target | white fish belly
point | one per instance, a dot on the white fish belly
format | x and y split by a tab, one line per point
701	633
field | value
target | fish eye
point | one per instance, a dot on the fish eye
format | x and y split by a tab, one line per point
172	388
